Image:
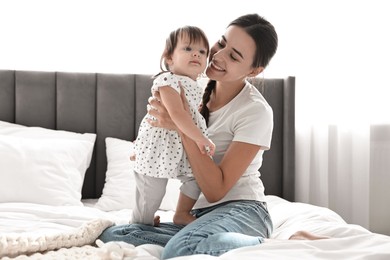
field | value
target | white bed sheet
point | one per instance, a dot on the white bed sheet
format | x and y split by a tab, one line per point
33	221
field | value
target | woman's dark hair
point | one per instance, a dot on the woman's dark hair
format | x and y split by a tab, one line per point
194	34
264	35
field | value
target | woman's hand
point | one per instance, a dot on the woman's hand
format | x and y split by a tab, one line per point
157	109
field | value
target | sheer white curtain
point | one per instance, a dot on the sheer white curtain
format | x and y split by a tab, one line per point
337	49
347	170
343	113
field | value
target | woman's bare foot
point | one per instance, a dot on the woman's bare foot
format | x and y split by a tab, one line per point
304	235
183	218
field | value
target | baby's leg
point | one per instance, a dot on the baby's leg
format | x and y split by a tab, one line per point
182	215
189	193
148	197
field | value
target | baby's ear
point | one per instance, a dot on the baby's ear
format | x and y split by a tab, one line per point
168	61
255	72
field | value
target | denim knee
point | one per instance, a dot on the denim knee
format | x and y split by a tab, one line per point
107	234
175	247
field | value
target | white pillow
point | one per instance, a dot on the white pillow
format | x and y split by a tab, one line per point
7	128
38	133
45	171
119	189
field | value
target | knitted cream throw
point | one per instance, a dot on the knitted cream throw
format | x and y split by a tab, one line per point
16	244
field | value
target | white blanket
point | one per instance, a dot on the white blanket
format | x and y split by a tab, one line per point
29	228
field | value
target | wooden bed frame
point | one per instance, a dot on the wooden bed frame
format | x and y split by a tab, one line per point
112	105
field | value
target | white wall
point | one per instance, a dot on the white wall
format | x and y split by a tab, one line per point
331	46
106	35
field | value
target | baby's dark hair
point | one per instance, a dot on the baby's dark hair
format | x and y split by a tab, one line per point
264	35
194	34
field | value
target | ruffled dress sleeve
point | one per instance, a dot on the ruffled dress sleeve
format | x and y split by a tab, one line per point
166	79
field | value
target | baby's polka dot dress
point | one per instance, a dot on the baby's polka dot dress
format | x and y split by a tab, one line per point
159	152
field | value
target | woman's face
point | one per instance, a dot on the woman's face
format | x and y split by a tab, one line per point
232	56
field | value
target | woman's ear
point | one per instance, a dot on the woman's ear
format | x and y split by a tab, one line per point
255	72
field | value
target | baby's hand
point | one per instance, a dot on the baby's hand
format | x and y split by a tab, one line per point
208	147
132	155
210	150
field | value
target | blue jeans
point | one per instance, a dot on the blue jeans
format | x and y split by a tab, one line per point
216	230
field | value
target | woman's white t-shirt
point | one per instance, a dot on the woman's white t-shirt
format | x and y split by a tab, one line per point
246	118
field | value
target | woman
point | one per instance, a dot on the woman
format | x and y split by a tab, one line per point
231	212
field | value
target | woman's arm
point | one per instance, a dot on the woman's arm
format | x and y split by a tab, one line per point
214	180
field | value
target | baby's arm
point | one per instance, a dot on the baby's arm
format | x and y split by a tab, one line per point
183	120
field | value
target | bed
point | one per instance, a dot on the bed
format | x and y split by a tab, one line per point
65	140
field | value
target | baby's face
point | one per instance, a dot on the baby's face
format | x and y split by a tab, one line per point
189	59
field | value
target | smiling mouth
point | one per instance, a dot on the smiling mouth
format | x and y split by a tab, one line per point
216	67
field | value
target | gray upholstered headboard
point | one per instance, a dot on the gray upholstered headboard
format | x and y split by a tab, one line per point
112	105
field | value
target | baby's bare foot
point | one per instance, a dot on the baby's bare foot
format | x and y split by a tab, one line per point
156	221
